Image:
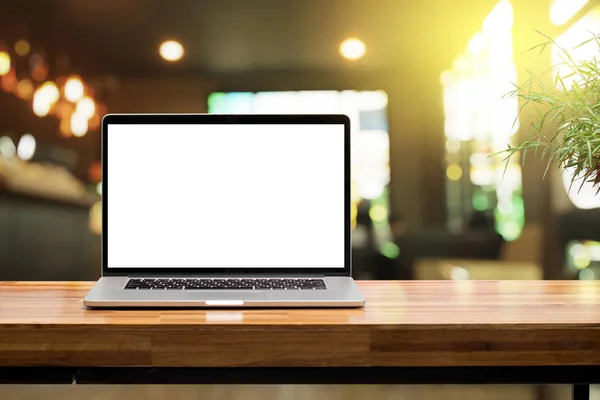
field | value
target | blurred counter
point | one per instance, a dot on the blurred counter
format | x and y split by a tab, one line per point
45	225
43	181
452	269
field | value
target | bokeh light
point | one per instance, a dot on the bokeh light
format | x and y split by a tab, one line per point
7	147
390	250
40	72
353	49
65	127
587	274
22	47
8	81
481	121
95	172
171	50
459	273
74	89
86	107
64	109
35	59
25	89
79	124
26	147
378	213
454	172
51	91
4	63
44	98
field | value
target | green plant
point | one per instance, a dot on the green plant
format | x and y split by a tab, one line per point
565	125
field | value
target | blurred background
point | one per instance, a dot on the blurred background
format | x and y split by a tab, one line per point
422	81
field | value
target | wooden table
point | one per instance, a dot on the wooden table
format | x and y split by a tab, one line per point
409	332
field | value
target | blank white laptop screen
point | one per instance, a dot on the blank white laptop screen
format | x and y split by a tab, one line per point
225	196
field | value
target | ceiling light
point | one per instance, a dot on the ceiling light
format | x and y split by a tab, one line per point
171	50
352	49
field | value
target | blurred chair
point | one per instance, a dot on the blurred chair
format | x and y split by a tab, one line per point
371	264
468	245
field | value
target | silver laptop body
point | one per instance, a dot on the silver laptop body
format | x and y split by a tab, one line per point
225	211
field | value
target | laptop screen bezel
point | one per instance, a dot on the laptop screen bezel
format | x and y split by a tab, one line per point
226	119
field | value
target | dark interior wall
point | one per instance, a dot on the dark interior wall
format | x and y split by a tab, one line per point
415	117
417	151
159	95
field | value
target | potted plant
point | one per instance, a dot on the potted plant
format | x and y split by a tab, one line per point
565	103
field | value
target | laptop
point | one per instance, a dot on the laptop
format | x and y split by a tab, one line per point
225	211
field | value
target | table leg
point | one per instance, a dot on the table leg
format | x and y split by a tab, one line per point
581	392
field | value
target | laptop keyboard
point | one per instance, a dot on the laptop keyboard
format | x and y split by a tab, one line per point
226	284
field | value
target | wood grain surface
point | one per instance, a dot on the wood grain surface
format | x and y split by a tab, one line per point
416	323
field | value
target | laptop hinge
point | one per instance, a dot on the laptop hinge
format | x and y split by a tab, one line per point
223	275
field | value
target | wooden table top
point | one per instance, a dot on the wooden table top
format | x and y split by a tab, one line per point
413	323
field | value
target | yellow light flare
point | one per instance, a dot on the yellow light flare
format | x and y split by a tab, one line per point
499	20
562	11
476	44
571	41
7	147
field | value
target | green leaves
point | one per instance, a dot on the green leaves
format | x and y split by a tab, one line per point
566	120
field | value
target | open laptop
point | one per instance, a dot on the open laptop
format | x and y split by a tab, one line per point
225	211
